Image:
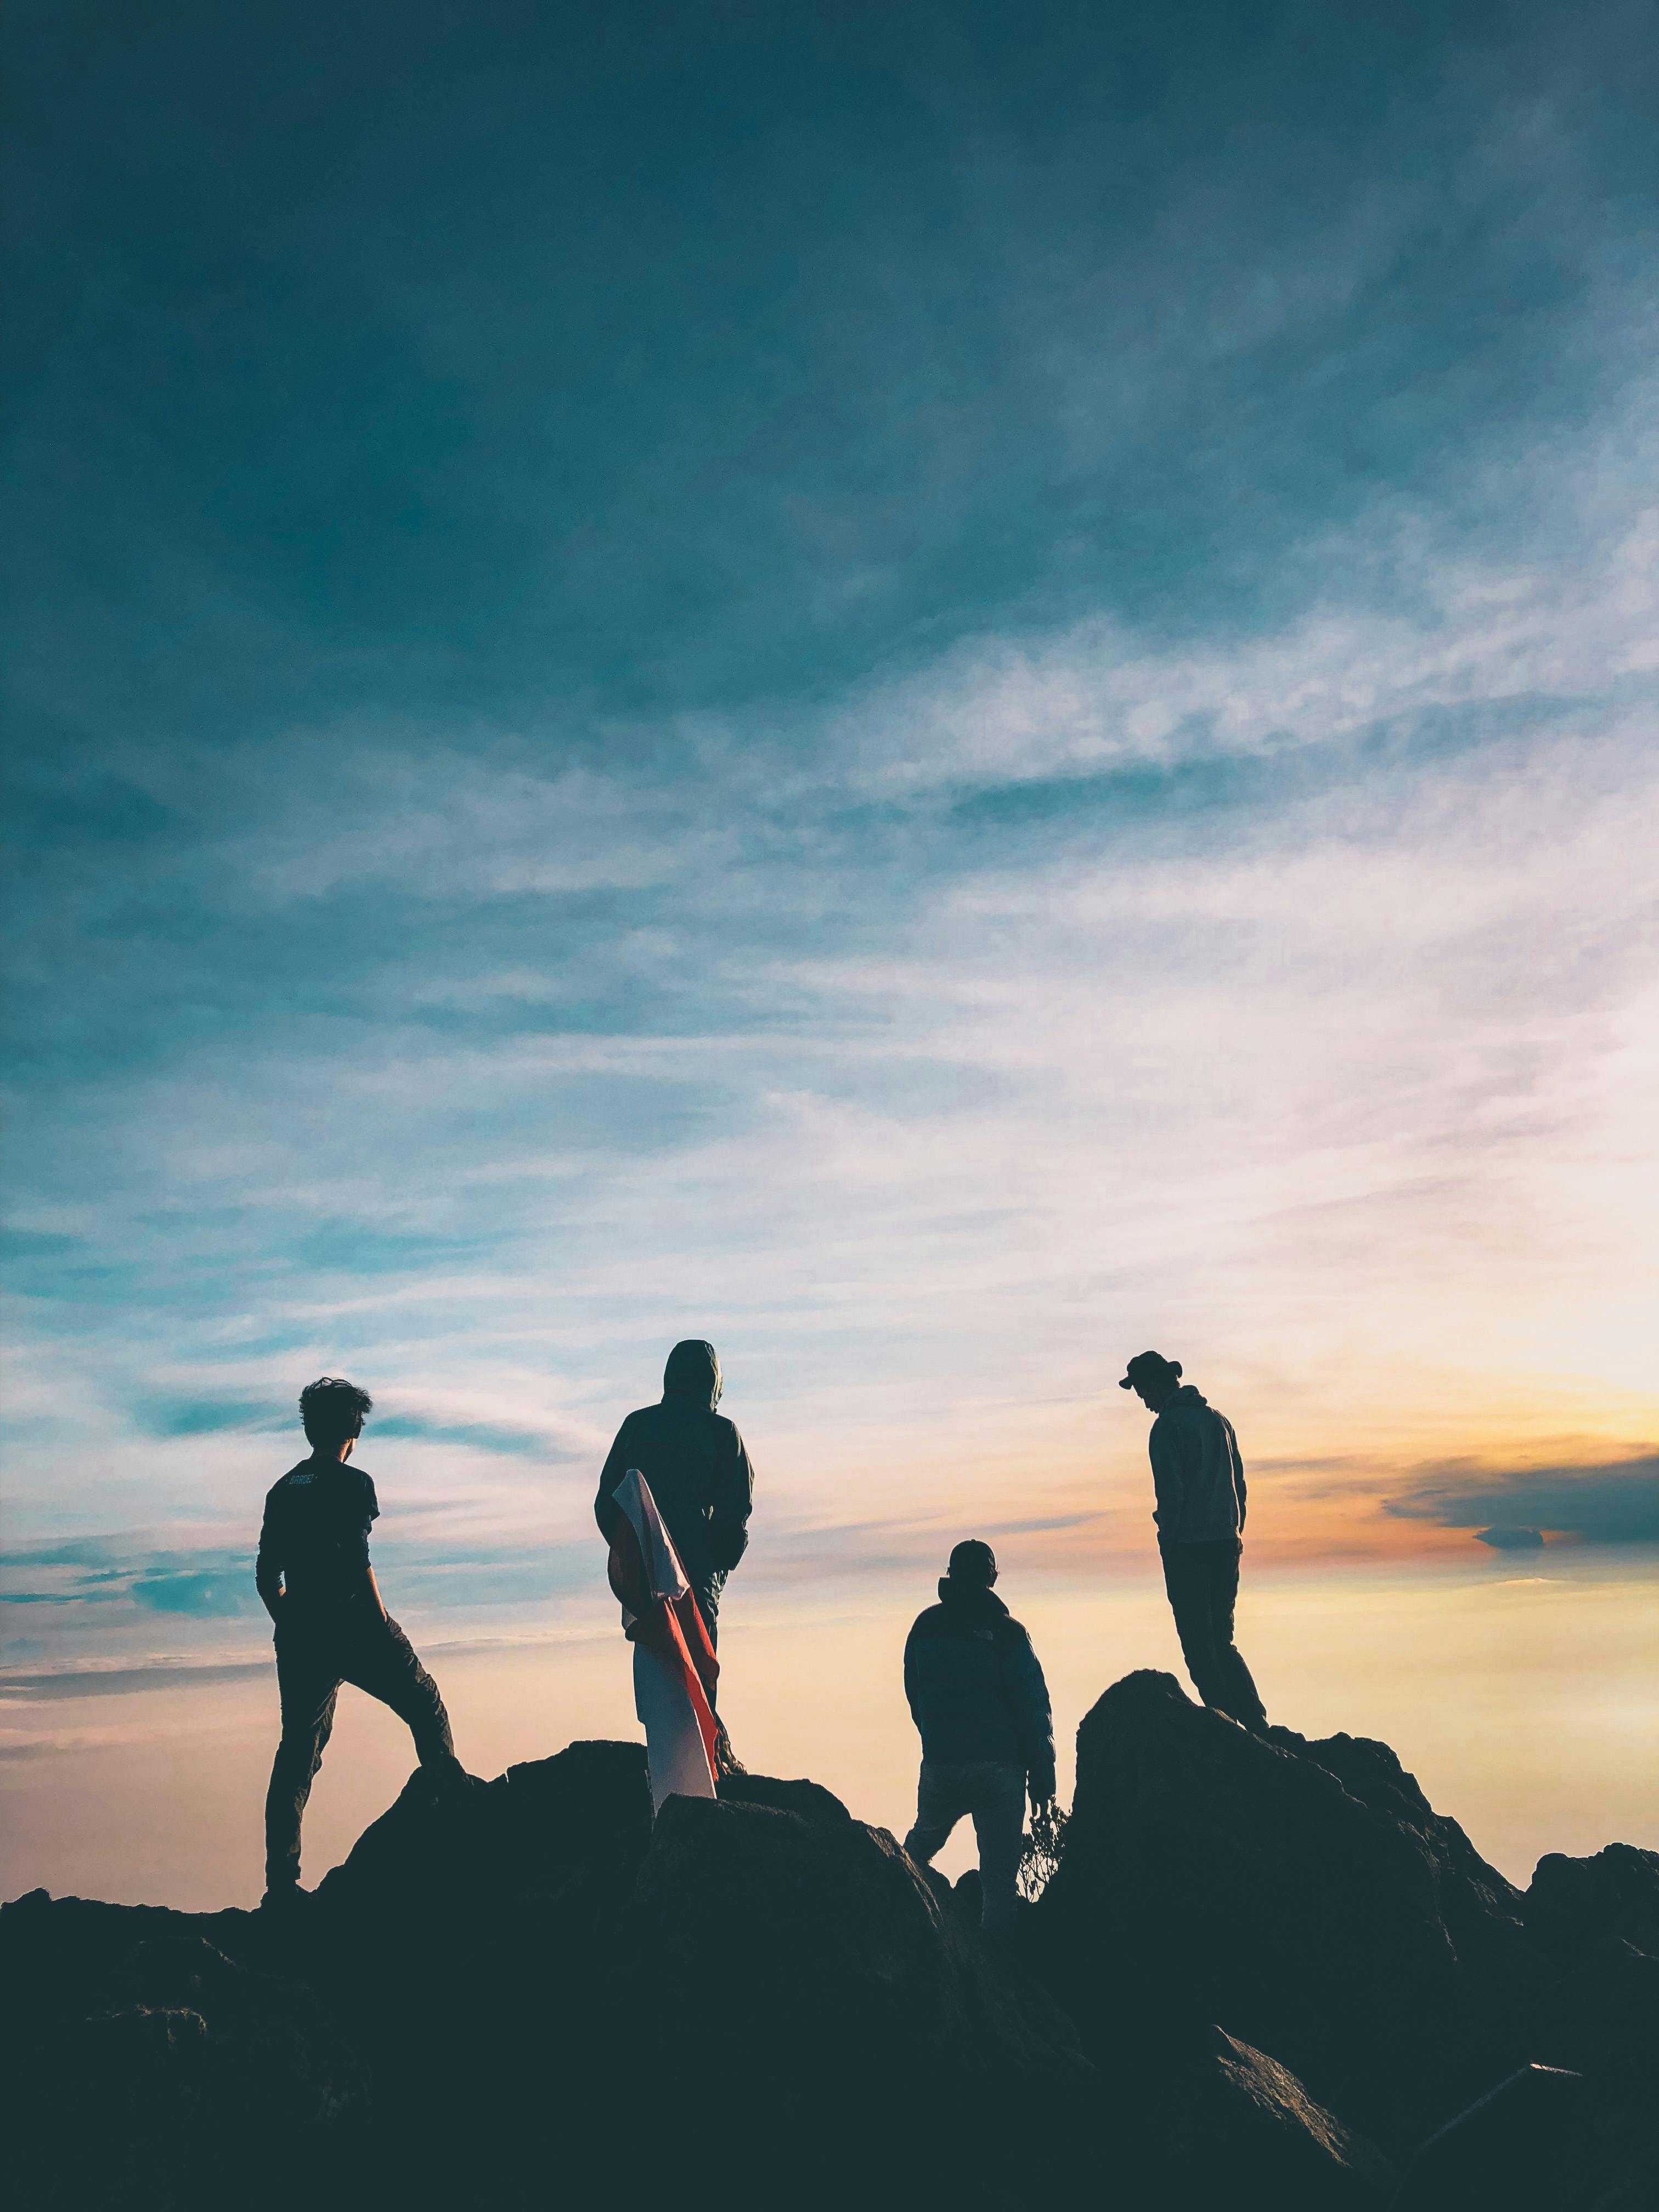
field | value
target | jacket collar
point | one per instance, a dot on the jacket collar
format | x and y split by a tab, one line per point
968	1597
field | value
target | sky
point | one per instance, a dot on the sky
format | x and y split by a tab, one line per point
936	691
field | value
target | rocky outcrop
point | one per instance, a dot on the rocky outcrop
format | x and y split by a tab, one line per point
1243	1878
1306	1896
1611	1899
1257	1960
148	2055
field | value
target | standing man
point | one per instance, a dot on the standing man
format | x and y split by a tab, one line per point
1198	1479
694	1461
978	1700
316	1582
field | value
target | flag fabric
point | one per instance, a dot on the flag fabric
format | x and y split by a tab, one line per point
675	1669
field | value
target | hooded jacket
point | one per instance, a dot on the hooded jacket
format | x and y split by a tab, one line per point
1197	1473
975	1687
694	1461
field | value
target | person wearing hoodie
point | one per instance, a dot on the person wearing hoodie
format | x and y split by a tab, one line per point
981	1705
694	1461
1198	1479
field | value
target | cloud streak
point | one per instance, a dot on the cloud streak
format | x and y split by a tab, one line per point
1015	749
1599	1503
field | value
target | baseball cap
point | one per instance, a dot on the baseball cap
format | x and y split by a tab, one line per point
1146	1364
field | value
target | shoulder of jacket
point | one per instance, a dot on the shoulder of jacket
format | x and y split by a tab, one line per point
725	1426
1014	1632
930	1621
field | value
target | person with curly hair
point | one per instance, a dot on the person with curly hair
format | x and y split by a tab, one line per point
331	1625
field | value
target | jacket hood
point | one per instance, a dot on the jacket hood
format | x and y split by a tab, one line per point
970	1597
693	1372
1185	1399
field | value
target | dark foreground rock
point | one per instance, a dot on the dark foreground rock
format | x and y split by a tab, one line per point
1307	1897
1258	1963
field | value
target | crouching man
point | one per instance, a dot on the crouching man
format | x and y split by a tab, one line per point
319	1588
978	1698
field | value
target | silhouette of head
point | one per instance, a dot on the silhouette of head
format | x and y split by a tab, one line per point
1153	1379
693	1372
973	1565
332	1410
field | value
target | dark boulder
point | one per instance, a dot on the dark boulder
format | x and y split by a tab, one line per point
152	2058
816	1806
1213	1875
1528	2145
1232	2125
1612	1898
528	1988
880	2057
1590	1995
586	1813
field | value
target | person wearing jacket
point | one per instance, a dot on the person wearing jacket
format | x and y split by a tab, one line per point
694	1461
314	1579
1198	1477
980	1704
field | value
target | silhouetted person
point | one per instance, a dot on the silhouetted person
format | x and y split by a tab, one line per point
317	1586
699	1472
978	1697
1198	1479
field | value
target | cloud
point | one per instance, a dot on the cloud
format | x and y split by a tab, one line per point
480	1436
50	1684
1598	1502
202	1416
81	1552
215	1595
1052	750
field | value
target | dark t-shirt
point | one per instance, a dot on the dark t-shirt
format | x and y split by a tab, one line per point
315	1535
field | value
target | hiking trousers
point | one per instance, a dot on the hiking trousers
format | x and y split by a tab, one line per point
1202	1581
313	1659
991	1793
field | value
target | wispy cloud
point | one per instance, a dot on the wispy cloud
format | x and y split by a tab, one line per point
1019	748
1601	1502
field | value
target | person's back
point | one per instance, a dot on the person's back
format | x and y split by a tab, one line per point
698	1469
980	1706
966	1661
1197	1469
316	1529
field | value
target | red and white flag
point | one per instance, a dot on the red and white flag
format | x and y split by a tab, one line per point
675	1668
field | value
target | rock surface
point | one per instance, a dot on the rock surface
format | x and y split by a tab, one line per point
1259	1961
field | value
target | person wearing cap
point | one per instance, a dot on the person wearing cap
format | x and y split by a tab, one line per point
980	1704
1198	1479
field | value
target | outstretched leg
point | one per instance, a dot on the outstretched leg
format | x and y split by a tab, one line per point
308	1685
384	1666
939	1806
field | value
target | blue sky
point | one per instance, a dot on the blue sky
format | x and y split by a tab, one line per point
937	691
